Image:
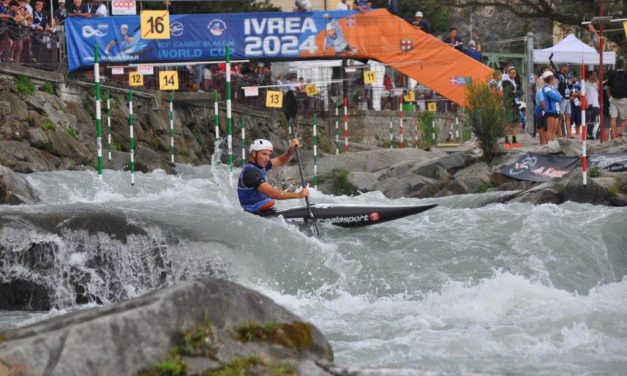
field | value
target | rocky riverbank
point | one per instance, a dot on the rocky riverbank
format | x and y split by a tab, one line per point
208	327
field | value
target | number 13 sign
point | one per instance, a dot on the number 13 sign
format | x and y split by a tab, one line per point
274	99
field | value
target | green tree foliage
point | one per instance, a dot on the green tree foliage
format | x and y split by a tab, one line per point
486	116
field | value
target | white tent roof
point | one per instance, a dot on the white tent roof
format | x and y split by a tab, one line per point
572	50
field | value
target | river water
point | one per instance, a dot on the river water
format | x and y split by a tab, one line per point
465	287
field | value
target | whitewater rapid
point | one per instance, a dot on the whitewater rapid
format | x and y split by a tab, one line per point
464	287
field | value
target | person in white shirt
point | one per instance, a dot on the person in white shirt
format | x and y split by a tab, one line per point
592	98
342	5
102	10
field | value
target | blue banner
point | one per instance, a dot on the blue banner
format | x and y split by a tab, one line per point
203	37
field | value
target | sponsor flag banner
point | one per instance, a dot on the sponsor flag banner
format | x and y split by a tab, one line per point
251	91
123	8
145	69
270	36
539	167
614	162
117	70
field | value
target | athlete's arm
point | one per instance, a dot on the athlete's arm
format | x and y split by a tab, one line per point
278	194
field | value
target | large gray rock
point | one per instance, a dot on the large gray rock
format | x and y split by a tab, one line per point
570	147
125	338
14	189
364	181
37	137
591	193
616	145
20	157
545	193
19	109
470	179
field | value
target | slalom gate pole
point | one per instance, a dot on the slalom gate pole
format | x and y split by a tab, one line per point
229	115
314	141
391	134
400	122
98	110
242	128
416	135
450	133
433	131
109	124
216	114
584	128
171	116
345	124
457	129
337	129
131	136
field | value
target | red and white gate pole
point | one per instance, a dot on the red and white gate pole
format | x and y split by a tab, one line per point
400	122
345	124
584	130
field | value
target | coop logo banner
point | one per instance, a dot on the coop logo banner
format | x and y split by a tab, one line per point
123	8
205	37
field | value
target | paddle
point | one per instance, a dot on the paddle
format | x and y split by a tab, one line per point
314	227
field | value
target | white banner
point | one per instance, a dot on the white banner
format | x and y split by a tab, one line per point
117	70
123	8
251	91
145	70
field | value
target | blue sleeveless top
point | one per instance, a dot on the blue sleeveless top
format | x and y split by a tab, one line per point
251	199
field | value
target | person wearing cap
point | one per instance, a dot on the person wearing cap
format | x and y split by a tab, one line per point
421	23
540	107
473	52
254	192
60	14
335	39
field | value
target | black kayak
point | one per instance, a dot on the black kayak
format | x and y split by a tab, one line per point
353	215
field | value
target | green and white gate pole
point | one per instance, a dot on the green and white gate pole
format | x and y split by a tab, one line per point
416	135
337	128
131	136
242	128
216	114
400	123
433	130
314	141
171	115
109	124
98	109
229	119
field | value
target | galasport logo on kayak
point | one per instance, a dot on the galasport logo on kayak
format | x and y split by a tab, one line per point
353	219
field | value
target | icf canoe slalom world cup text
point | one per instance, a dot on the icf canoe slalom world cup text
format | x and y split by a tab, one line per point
200	37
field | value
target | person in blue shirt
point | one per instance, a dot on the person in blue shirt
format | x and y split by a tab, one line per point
254	192
473	52
552	99
538	110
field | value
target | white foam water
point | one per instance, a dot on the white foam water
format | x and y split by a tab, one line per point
462	288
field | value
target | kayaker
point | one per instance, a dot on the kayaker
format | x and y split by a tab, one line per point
255	194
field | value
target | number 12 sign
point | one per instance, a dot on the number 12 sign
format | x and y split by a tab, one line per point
169	80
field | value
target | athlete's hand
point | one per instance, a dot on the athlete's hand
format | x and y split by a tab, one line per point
304	193
293	145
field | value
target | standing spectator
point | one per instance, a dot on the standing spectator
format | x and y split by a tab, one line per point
511	99
393	6
206	78
453	40
60	14
101	9
5	42
473	52
342	5
592	98
552	100
421	23
617	83
91	7
41	28
302	6
540	106
78	9
564	86
362	5
575	106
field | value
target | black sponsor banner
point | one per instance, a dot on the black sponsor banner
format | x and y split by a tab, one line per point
609	161
540	168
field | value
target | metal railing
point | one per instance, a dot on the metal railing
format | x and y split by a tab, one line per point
22	45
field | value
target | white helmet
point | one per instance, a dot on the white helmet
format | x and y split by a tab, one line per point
260	144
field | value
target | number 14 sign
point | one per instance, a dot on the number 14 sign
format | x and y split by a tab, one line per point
169	80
